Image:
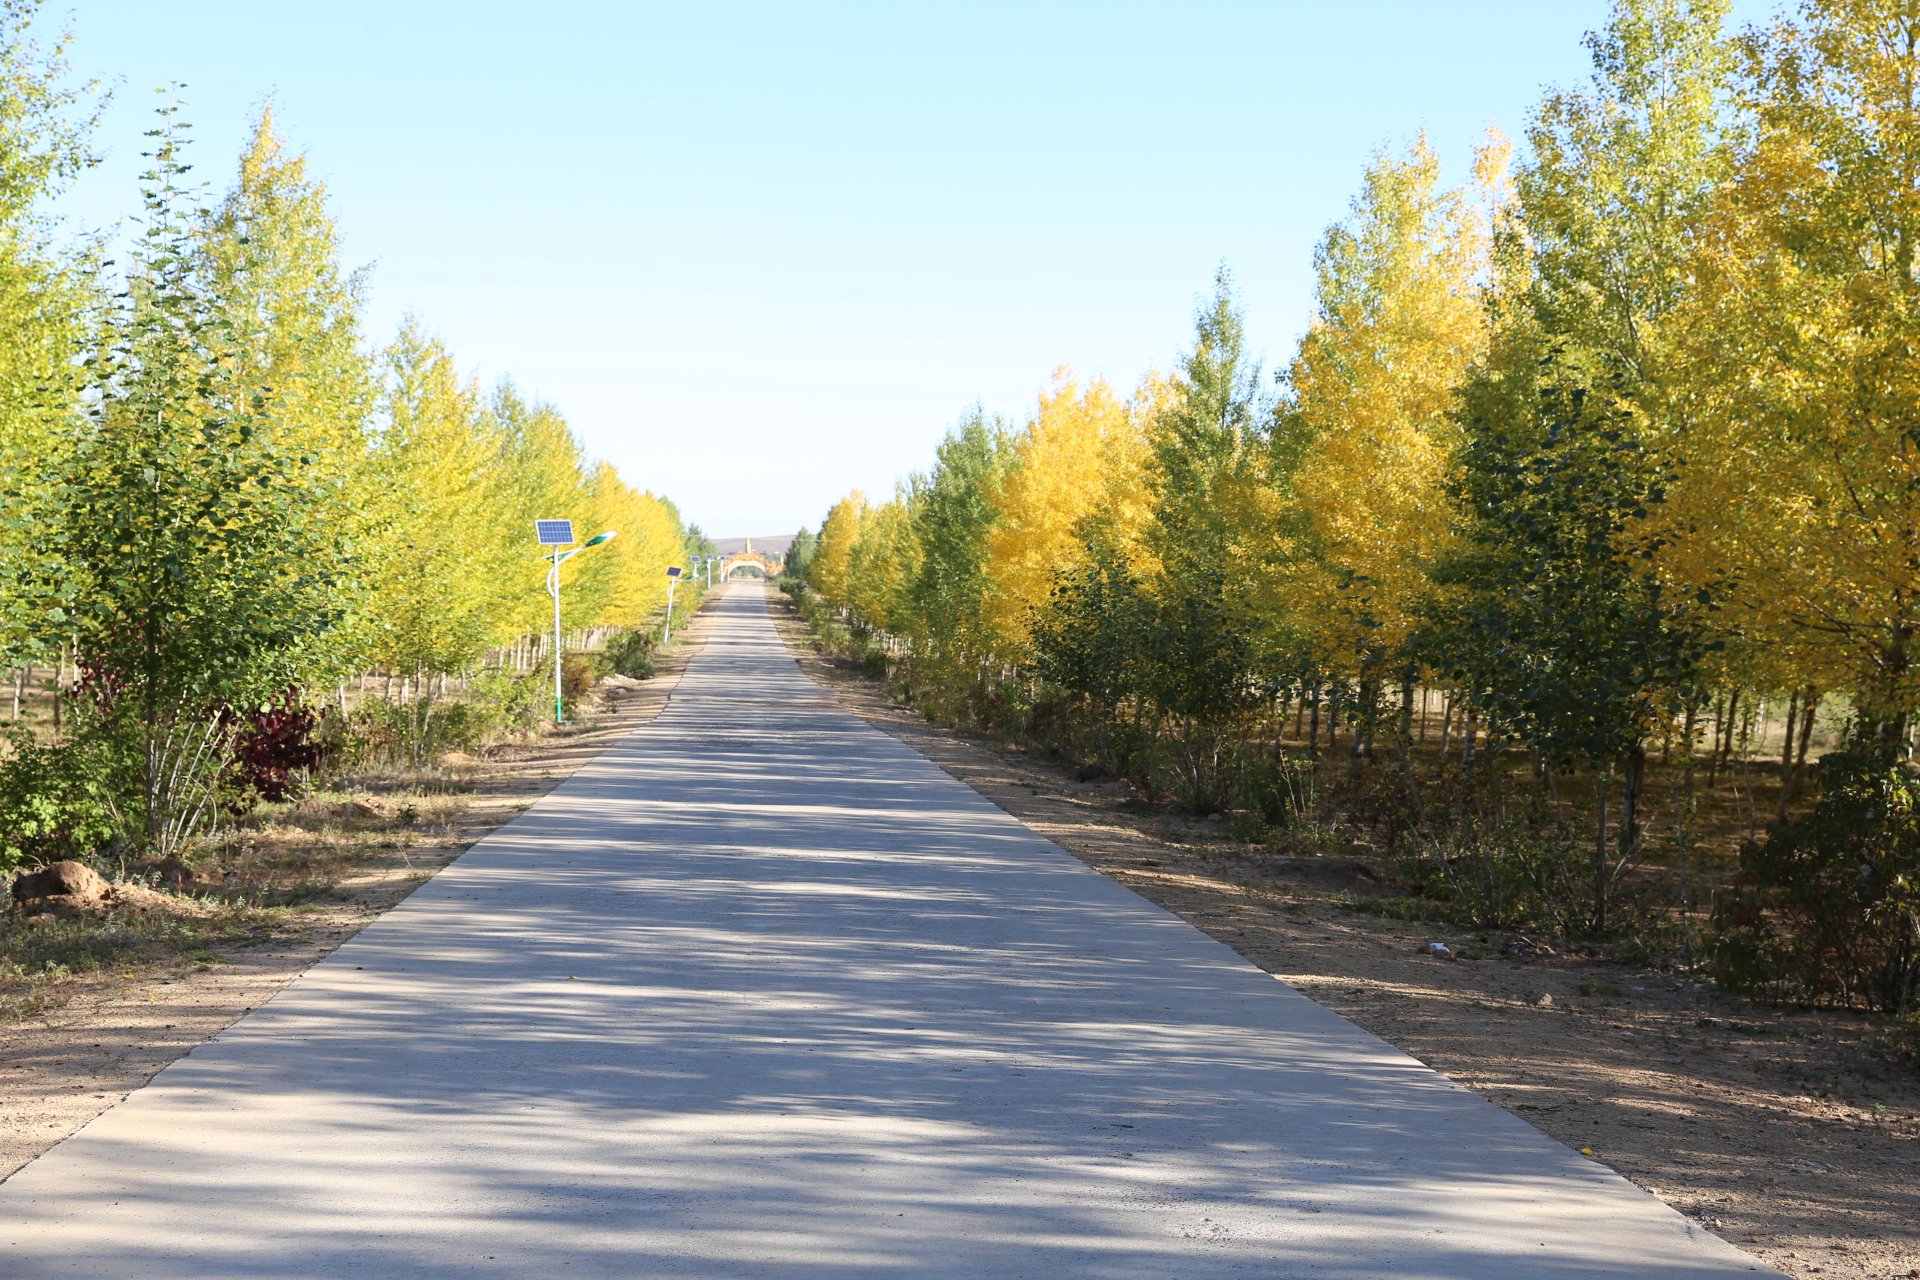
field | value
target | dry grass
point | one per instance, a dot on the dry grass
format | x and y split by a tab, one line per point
259	873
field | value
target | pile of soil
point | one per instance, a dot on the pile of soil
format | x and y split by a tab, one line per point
67	889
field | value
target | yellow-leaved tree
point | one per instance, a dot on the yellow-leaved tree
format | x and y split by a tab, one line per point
272	250
276	250
1083	446
882	564
543	475
1399	319
46	295
437	566
627	578
838	534
1798	354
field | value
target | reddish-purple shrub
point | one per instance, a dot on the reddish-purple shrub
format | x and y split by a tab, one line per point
272	746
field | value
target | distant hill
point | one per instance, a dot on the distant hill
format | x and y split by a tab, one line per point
775	546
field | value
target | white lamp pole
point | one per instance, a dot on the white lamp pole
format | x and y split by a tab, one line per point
557	534
673	577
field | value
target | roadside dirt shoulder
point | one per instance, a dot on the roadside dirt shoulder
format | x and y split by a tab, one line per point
1769	1127
102	1035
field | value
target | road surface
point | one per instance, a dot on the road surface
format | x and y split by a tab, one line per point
763	993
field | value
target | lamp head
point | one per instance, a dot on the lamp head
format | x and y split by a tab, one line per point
596	541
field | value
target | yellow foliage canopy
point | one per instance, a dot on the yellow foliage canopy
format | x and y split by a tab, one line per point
626	579
1797	355
438	566
1083	450
1399	322
833	560
882	563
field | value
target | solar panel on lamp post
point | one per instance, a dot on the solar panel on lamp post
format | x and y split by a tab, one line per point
558	534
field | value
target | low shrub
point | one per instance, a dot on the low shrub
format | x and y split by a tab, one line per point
411	733
273	750
498	704
506	702
1281	789
1828	906
1248	825
56	801
1196	766
1308	838
577	678
1508	874
631	654
1898	1041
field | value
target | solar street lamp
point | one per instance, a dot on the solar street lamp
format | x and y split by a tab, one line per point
673	578
557	534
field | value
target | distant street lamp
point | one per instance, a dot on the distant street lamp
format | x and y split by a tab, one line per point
673	578
558	534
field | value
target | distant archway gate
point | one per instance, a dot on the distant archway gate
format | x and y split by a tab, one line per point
740	559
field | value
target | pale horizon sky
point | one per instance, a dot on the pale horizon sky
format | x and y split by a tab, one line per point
761	254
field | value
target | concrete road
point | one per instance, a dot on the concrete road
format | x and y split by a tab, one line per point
763	993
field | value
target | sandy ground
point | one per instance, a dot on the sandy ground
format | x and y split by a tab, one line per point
105	1035
1768	1126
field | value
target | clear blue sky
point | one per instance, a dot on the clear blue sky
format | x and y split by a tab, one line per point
762	253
